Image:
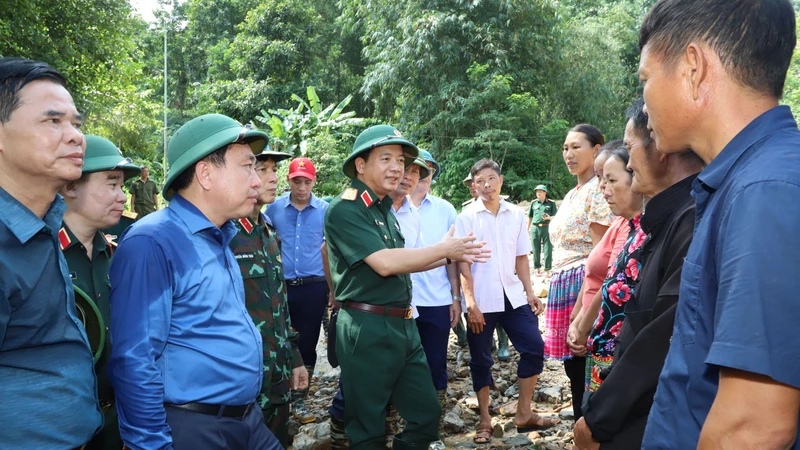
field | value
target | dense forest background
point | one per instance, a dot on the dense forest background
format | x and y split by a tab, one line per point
464	79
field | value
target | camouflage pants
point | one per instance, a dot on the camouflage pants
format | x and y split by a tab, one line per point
276	417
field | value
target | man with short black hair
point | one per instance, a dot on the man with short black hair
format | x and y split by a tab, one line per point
49	391
187	362
299	217
713	72
500	292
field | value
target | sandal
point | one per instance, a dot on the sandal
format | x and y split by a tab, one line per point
483	434
537	423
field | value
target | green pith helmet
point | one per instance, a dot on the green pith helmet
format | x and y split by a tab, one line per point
327	199
268	153
541	187
424	171
102	154
468	180
377	136
428	158
200	137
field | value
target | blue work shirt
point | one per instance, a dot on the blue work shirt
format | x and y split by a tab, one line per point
179	325
301	234
432	287
46	365
738	305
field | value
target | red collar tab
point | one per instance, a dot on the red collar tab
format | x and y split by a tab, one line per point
365	197
246	224
63	238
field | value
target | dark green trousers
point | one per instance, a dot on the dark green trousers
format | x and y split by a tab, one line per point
383	362
540	238
276	418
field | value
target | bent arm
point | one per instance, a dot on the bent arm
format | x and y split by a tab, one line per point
596	231
768	422
393	261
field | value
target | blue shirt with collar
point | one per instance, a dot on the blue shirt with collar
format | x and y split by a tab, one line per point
179	325
46	364
432	287
301	234
738	305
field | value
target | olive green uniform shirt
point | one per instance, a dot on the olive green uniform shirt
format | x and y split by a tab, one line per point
143	192
538	209
358	224
91	277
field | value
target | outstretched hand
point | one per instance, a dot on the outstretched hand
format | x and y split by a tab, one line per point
465	249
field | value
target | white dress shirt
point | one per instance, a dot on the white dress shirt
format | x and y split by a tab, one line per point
506	236
432	287
408	218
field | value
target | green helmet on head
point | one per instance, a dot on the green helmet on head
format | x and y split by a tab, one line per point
377	136
428	158
101	154
424	171
203	135
541	187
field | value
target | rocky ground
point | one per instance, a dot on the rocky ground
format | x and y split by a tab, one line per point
552	397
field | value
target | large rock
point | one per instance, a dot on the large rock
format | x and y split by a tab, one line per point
314	436
567	413
512	391
518	440
472	403
452	423
548	395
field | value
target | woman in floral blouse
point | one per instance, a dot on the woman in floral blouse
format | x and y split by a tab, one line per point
580	223
623	275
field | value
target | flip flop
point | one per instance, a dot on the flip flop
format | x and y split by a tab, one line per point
537	423
483	434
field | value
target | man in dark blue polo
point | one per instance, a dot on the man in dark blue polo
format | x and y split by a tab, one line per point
187	360
299	217
713	72
48	392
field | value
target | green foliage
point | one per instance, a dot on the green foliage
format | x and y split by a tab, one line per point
291	129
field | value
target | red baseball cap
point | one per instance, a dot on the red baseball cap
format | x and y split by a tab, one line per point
302	167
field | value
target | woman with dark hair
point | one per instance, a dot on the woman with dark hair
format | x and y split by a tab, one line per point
620	282
616	413
578	226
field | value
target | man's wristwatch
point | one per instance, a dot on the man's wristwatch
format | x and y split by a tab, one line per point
456	298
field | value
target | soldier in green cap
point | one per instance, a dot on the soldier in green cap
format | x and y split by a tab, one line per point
96	201
542	209
187	363
377	343
258	253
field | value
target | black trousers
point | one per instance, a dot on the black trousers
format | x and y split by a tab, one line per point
575	368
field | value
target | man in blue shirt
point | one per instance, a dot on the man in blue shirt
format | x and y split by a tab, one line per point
187	359
299	217
436	292
713	72
48	392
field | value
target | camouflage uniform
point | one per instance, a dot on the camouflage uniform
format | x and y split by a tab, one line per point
258	253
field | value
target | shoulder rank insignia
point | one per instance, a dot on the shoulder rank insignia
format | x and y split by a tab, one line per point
365	197
63	238
349	194
246	224
130	214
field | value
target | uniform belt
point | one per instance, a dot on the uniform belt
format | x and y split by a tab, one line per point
403	313
542	224
215	410
306	280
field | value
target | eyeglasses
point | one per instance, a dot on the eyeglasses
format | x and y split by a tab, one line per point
242	133
122	163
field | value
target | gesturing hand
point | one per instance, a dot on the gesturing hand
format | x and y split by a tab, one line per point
465	249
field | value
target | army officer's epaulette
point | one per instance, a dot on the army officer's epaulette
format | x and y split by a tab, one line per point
349	194
129	214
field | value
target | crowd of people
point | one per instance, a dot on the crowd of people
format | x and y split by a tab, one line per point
671	266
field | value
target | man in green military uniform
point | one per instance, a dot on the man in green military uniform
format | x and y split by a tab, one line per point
377	343
539	214
114	233
95	202
144	194
258	253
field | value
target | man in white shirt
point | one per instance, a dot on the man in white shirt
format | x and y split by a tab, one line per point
436	294
500	291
